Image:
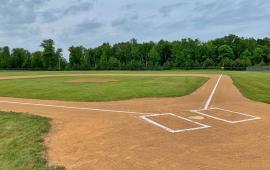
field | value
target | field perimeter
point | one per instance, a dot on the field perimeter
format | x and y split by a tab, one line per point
214	127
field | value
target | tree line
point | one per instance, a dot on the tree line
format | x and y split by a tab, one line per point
229	52
19	58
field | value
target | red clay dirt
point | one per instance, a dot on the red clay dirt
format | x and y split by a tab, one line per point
84	139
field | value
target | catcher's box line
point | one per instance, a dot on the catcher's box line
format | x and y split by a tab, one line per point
147	119
249	117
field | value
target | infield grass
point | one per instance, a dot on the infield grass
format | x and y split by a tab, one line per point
21	145
57	88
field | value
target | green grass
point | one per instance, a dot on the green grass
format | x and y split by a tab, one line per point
21	145
56	88
253	85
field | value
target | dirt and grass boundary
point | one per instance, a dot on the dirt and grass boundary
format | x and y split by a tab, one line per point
21	143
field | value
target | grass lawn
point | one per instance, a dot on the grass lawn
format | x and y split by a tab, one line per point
253	85
57	88
21	142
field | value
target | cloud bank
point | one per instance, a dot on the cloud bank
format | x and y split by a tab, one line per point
25	23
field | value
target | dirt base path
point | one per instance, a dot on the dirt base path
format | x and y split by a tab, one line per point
83	138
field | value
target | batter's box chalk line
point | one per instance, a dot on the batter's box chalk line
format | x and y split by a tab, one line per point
147	119
249	117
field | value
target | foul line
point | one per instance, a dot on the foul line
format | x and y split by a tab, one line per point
78	108
144	115
212	94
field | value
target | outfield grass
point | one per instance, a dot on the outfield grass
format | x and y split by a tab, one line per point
21	145
56	88
253	85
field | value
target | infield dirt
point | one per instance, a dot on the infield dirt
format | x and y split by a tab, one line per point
84	139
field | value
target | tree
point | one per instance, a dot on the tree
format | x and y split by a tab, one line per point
164	50
239	63
228	51
208	63
105	49
262	63
122	52
144	50
76	57
90	58
135	53
17	58
266	54
257	56
49	57
246	58
154	56
179	57
60	59
225	51
228	63
4	57
246	54
27	60
113	62
37	60
188	61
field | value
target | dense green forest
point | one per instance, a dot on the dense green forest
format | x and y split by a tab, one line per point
230	51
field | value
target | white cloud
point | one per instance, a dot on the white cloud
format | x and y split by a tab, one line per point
90	22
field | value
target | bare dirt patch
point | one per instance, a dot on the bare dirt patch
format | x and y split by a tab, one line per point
92	80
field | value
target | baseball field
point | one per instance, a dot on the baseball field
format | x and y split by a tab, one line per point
200	119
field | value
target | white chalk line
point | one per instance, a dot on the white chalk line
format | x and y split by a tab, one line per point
201	126
72	107
212	93
206	107
251	117
157	124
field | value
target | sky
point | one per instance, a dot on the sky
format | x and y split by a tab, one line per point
26	23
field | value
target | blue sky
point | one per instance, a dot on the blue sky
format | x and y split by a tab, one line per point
25	23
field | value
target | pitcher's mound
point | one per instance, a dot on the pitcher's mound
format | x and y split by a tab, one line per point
94	80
